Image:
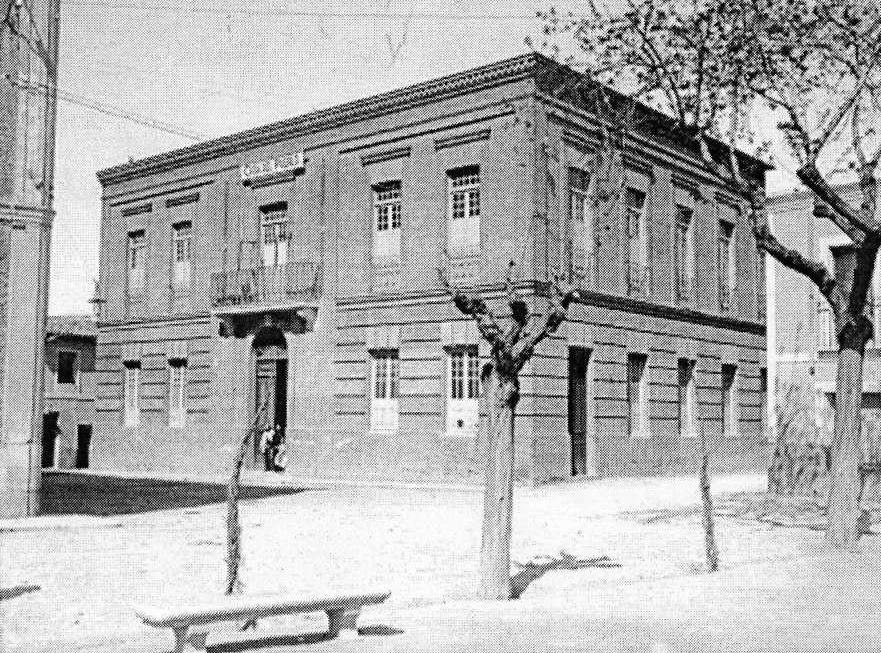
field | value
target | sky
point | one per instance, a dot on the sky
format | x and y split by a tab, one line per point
212	68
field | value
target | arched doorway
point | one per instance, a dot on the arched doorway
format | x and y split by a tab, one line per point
271	386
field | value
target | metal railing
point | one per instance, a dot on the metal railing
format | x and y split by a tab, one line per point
266	285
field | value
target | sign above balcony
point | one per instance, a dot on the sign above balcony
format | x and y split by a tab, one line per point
274	170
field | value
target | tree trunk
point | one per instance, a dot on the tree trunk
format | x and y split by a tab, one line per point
710	548
502	395
845	485
233	527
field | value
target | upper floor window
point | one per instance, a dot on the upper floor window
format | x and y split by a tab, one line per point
181	240
684	254
137	254
727	264
637	239
464	210
387	220
66	367
274	235
463	391
581	236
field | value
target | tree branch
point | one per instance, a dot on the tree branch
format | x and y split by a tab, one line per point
560	298
475	308
810	176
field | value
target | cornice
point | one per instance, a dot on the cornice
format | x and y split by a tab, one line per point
588	297
506	71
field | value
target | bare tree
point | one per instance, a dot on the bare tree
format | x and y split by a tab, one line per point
710	67
510	348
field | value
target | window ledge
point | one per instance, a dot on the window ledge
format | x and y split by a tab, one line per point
459	434
641	435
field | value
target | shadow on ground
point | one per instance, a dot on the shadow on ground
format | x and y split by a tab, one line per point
90	494
297	640
532	570
15	591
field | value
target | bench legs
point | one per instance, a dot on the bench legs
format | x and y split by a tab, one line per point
196	639
343	623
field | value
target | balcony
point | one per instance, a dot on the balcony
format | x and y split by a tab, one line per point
286	285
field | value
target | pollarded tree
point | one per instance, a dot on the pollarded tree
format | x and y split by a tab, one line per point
813	67
511	347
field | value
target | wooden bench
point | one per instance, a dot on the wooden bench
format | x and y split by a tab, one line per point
342	613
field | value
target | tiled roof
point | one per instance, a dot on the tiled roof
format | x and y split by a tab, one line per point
81	326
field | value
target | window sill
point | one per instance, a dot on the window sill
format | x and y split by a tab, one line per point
640	435
689	435
459	434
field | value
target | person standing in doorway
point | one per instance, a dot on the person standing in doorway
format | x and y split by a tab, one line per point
267	448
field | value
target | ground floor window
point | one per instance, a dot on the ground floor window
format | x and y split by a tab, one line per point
638	396
384	381
687	399
131	394
463	391
177	394
729	401
83	445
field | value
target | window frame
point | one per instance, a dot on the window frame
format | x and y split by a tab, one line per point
581	211
688	407
177	393
182	239
384	403
637	285
131	394
74	368
730	400
684	256
727	281
462	391
387	219
638	406
463	232
274	221
136	261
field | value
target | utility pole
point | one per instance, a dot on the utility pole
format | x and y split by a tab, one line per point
29	35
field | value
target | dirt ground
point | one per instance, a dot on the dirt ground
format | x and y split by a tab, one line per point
71	584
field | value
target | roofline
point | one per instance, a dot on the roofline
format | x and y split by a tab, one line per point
505	71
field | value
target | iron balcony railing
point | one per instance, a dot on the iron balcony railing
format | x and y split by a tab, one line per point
294	282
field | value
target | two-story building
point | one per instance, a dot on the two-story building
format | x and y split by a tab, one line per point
286	276
69	403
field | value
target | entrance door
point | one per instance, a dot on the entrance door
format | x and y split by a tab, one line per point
272	400
50	437
83	445
581	439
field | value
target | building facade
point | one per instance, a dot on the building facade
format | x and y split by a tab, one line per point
28	72
69	380
287	277
804	348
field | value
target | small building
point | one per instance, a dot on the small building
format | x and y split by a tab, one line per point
69	406
286	278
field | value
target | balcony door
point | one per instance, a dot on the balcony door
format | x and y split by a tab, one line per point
274	235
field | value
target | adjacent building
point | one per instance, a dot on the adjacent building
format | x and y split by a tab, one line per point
286	277
28	73
804	347
69	406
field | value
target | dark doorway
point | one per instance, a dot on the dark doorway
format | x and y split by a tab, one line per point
579	361
271	389
83	445
50	436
